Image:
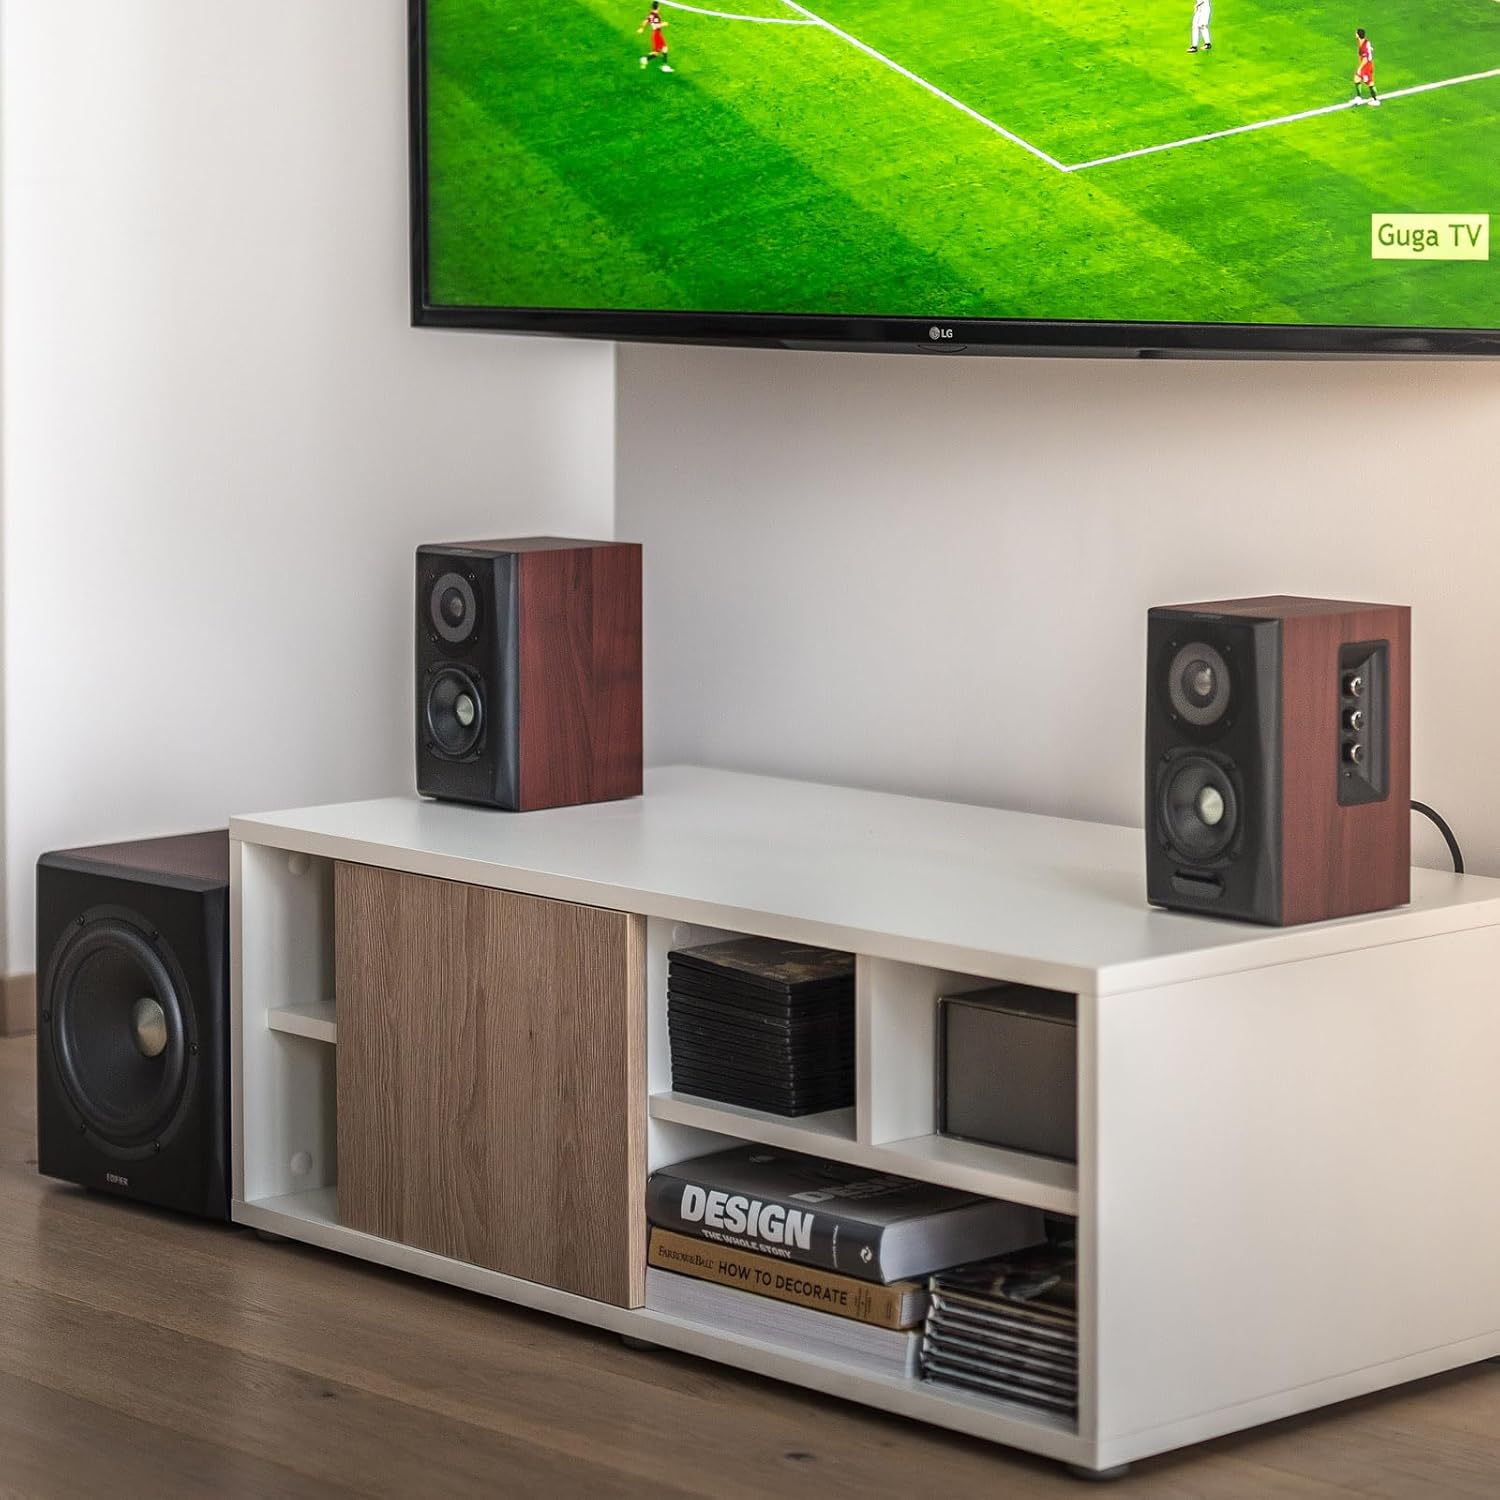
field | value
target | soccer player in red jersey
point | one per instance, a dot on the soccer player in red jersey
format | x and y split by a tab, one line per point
1365	72
658	40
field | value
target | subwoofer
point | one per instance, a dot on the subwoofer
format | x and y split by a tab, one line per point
132	1020
1278	758
528	672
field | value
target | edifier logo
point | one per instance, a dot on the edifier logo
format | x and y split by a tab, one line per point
115	1178
936	333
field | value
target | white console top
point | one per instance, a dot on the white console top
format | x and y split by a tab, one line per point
1046	901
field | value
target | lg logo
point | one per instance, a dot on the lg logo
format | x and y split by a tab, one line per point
935	333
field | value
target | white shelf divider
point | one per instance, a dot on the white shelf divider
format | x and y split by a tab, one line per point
966	1165
316	1021
896	1045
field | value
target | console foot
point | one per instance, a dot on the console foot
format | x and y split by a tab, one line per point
1097	1476
269	1237
641	1346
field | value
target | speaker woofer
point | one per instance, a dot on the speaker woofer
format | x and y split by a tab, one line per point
119	1033
453	608
1198	684
1198	808
454	712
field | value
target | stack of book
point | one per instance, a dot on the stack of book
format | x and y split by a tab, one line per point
763	1024
1008	1328
769	1244
757	1297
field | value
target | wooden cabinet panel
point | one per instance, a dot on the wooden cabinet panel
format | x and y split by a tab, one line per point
491	1078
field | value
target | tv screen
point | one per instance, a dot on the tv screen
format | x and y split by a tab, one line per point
1219	175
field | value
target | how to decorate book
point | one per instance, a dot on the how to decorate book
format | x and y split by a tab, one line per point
901	1304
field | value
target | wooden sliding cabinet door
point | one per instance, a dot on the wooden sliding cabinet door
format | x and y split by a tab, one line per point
491	1079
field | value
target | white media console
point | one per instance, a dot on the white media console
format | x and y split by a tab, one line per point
1285	1194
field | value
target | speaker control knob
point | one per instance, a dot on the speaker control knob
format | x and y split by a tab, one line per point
1355	753
1354	720
1354	685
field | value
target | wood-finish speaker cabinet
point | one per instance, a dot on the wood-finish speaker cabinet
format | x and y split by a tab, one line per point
528	672
1278	754
491	1079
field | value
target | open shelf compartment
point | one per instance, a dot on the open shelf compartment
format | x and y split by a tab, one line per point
891	1127
285	1064
970	1167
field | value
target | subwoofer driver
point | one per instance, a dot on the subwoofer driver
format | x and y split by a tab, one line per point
121	1036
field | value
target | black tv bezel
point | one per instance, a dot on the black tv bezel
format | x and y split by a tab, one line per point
876	334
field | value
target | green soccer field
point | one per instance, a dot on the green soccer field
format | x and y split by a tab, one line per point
805	160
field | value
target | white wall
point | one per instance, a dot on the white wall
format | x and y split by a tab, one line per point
931	575
6	1020
222	439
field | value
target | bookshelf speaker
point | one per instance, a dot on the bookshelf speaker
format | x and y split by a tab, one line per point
528	672
1278	758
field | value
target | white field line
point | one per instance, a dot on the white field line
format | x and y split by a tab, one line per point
1213	135
1306	114
1442	83
813	19
729	15
931	88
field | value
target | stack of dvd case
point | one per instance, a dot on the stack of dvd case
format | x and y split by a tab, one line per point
1007	1327
763	1024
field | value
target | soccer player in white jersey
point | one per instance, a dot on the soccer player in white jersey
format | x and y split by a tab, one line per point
1202	13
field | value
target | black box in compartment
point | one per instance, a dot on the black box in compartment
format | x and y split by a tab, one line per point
1008	1069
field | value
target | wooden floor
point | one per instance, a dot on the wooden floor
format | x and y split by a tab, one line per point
142	1354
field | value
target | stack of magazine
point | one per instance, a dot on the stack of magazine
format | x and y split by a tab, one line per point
830	1259
763	1024
1008	1328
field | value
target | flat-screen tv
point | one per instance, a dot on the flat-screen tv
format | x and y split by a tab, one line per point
1131	176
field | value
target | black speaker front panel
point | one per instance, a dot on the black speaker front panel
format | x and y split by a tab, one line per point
467	682
133	1039
1213	800
120	1020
